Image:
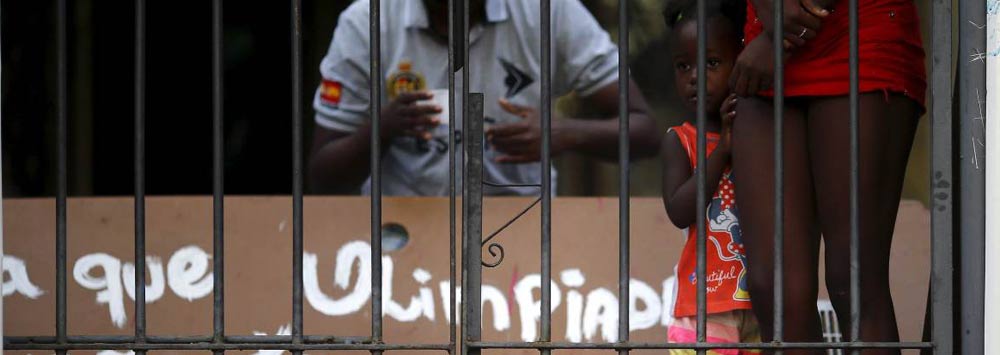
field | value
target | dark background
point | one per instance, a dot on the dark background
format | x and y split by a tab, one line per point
178	93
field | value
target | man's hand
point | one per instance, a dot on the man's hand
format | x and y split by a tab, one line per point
405	117
802	18
521	141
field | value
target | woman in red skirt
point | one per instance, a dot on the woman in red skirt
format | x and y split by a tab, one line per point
816	156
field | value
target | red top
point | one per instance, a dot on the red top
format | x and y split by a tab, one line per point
891	54
725	260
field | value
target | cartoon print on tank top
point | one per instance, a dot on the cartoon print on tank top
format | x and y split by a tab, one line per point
722	218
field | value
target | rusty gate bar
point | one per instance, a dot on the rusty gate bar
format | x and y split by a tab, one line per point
228	346
324	343
472	205
702	345
218	191
546	118
624	263
61	174
701	174
972	180
140	173
779	176
855	177
941	179
375	106
296	172
155	342
452	192
296	30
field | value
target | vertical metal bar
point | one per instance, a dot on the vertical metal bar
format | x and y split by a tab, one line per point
140	172
546	166
855	179
296	19
779	175
472	187
972	184
623	176
61	189
453	14
701	174
375	52
218	243
472	218
942	179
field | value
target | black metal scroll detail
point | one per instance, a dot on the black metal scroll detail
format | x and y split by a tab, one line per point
495	249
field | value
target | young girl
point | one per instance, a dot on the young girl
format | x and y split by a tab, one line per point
816	156
727	299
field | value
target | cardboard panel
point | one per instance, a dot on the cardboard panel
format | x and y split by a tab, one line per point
337	289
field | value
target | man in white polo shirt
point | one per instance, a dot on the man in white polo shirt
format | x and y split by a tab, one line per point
504	57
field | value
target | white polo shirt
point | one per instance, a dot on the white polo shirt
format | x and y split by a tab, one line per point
505	62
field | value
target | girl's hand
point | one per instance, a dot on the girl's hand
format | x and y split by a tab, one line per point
802	18
754	69
728	113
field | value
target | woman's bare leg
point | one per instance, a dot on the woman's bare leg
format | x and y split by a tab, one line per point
753	171
887	126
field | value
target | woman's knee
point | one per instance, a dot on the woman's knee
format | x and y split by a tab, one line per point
874	288
762	293
838	284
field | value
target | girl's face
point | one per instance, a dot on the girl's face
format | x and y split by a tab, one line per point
721	54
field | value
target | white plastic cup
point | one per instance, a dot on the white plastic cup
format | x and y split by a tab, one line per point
440	98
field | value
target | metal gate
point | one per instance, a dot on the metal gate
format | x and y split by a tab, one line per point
468	342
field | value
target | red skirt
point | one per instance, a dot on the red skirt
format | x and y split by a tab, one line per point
890	52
